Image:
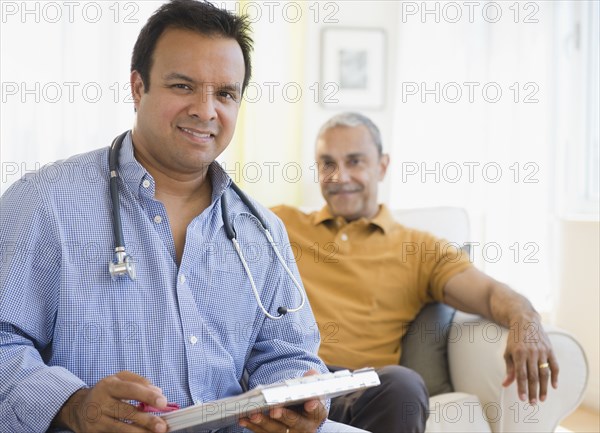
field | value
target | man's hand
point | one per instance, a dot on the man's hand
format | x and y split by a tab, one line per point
529	357
103	408
282	420
530	361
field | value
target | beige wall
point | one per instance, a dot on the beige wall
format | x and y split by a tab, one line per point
578	303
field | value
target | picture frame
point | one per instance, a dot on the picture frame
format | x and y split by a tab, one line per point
353	64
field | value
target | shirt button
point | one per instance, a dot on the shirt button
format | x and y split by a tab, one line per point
157	219
344	237
193	339
146	183
182	279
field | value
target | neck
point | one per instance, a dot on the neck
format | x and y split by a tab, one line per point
179	186
368	215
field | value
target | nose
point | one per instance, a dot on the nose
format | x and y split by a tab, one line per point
339	174
203	105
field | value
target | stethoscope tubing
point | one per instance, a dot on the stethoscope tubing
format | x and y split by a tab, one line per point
113	157
125	265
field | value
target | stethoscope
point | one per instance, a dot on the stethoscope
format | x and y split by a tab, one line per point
123	264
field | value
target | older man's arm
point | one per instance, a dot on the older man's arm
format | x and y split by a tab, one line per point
528	346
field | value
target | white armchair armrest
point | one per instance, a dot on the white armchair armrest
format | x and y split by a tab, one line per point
475	356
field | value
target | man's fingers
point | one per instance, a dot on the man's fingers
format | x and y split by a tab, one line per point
533	380
102	420
304	418
510	370
256	428
544	376
260	423
119	388
282	419
315	410
104	407
520	366
120	410
130	413
292	419
121	427
126	390
311	415
130	376
553	369
532	363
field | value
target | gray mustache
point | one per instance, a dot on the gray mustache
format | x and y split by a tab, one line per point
340	189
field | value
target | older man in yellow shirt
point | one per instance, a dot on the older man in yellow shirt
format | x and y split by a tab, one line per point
367	277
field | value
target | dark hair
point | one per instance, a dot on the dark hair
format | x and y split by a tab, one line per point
198	16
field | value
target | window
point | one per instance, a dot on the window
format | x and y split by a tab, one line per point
592	193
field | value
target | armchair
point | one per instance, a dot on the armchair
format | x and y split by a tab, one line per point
460	357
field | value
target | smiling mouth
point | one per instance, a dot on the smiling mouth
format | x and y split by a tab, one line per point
196	134
343	192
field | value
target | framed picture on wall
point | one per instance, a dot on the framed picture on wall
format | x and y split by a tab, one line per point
353	68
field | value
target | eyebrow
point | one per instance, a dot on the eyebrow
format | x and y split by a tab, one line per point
234	88
356	155
178	76
350	155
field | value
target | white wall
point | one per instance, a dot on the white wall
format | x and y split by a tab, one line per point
579	294
356	14
65	76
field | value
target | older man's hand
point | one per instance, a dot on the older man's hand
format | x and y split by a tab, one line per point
530	361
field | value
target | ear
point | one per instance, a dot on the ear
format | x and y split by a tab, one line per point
137	88
384	162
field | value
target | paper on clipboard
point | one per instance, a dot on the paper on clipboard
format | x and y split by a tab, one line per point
225	412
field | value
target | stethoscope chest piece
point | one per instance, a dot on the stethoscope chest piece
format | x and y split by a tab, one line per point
124	265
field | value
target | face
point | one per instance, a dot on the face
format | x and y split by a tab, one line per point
349	170
188	116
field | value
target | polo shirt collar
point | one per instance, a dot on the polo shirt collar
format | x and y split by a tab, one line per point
383	219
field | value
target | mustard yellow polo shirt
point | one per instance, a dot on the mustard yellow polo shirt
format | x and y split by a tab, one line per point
367	280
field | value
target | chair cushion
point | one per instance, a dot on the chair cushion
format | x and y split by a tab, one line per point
456	412
424	347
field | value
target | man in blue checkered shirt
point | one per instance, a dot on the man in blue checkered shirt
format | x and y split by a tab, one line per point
77	346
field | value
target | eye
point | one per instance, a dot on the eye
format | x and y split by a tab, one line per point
226	95
354	161
181	86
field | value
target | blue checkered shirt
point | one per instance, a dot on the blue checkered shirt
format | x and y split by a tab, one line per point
190	329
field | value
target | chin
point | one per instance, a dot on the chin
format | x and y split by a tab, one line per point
348	214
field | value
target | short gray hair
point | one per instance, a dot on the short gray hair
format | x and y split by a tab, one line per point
351	119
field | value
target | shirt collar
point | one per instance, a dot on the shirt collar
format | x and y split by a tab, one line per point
133	173
220	180
383	219
130	170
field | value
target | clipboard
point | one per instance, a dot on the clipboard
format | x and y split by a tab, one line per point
227	411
